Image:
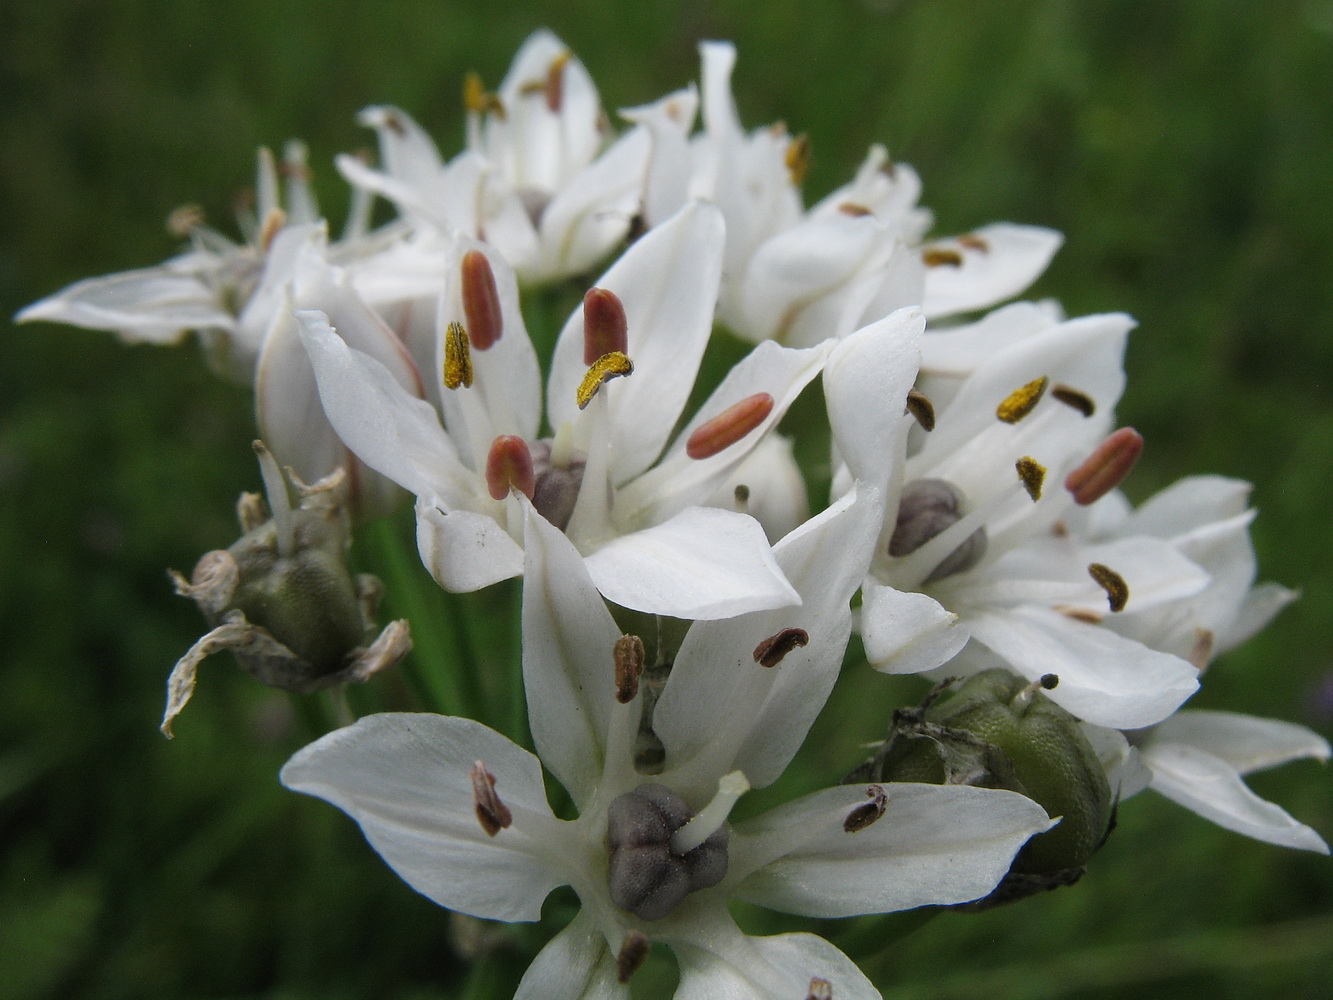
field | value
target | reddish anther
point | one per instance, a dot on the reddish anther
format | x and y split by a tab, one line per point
481	301
1107	466
605	329
729	426
509	465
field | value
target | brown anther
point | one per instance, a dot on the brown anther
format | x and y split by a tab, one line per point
628	654
1049	681
1060	530
509	466
971	241
273	223
772	650
605	329
1032	474
820	989
1022	401
1106	468
940	257
798	158
854	210
493	814
921	408
182	221
742	496
729	426
1079	614
481	301
867	812
1070	396
457	358
608	366
1201	653
555	83
1117	590
633	953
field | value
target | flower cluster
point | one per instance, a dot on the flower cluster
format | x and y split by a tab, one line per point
974	507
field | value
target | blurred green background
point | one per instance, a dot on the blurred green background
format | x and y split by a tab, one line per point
1186	150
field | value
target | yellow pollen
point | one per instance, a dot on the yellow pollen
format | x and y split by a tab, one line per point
611	365
798	158
457	358
1117	590
477	100
937	257
1022	401
1032	474
854	210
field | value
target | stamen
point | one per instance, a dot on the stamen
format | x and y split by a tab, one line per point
628	654
854	210
1106	468
772	650
742	495
1079	614
938	257
820	989
1022	401
273	223
555	83
798	158
509	466
493	814
633	953
1117	590
481	301
921	408
457	358
1080	401
477	100
867	812
608	366
711	817
279	501
1046	682
973	242
182	221
729	426
1202	650
605	329
1032	474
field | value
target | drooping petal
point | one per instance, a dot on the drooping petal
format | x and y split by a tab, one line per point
1212	788
464	550
568	658
1245	742
721	710
703	563
576	964
1104	678
905	632
406	780
933	845
996	263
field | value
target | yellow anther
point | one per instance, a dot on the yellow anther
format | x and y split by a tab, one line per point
798	158
1022	401
854	210
938	257
1032	474
608	366
273	223
478	100
1117	590
457	358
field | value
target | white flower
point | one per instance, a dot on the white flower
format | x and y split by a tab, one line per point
460	812
611	475
535	181
973	546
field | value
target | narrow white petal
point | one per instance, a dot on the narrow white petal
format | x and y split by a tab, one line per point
568	658
1125	771
934	845
905	632
782	967
465	550
576	964
1259	608
1212	788
1245	742
1013	258
406	780
703	563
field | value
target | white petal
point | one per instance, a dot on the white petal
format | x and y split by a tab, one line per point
1245	742
934	845
722	711
1015	256
668	283
1125	771
1259	608
406	779
576	964
668	120
465	550
773	485
959	351
738	967
905	632
1211	787
1104	678
569	640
